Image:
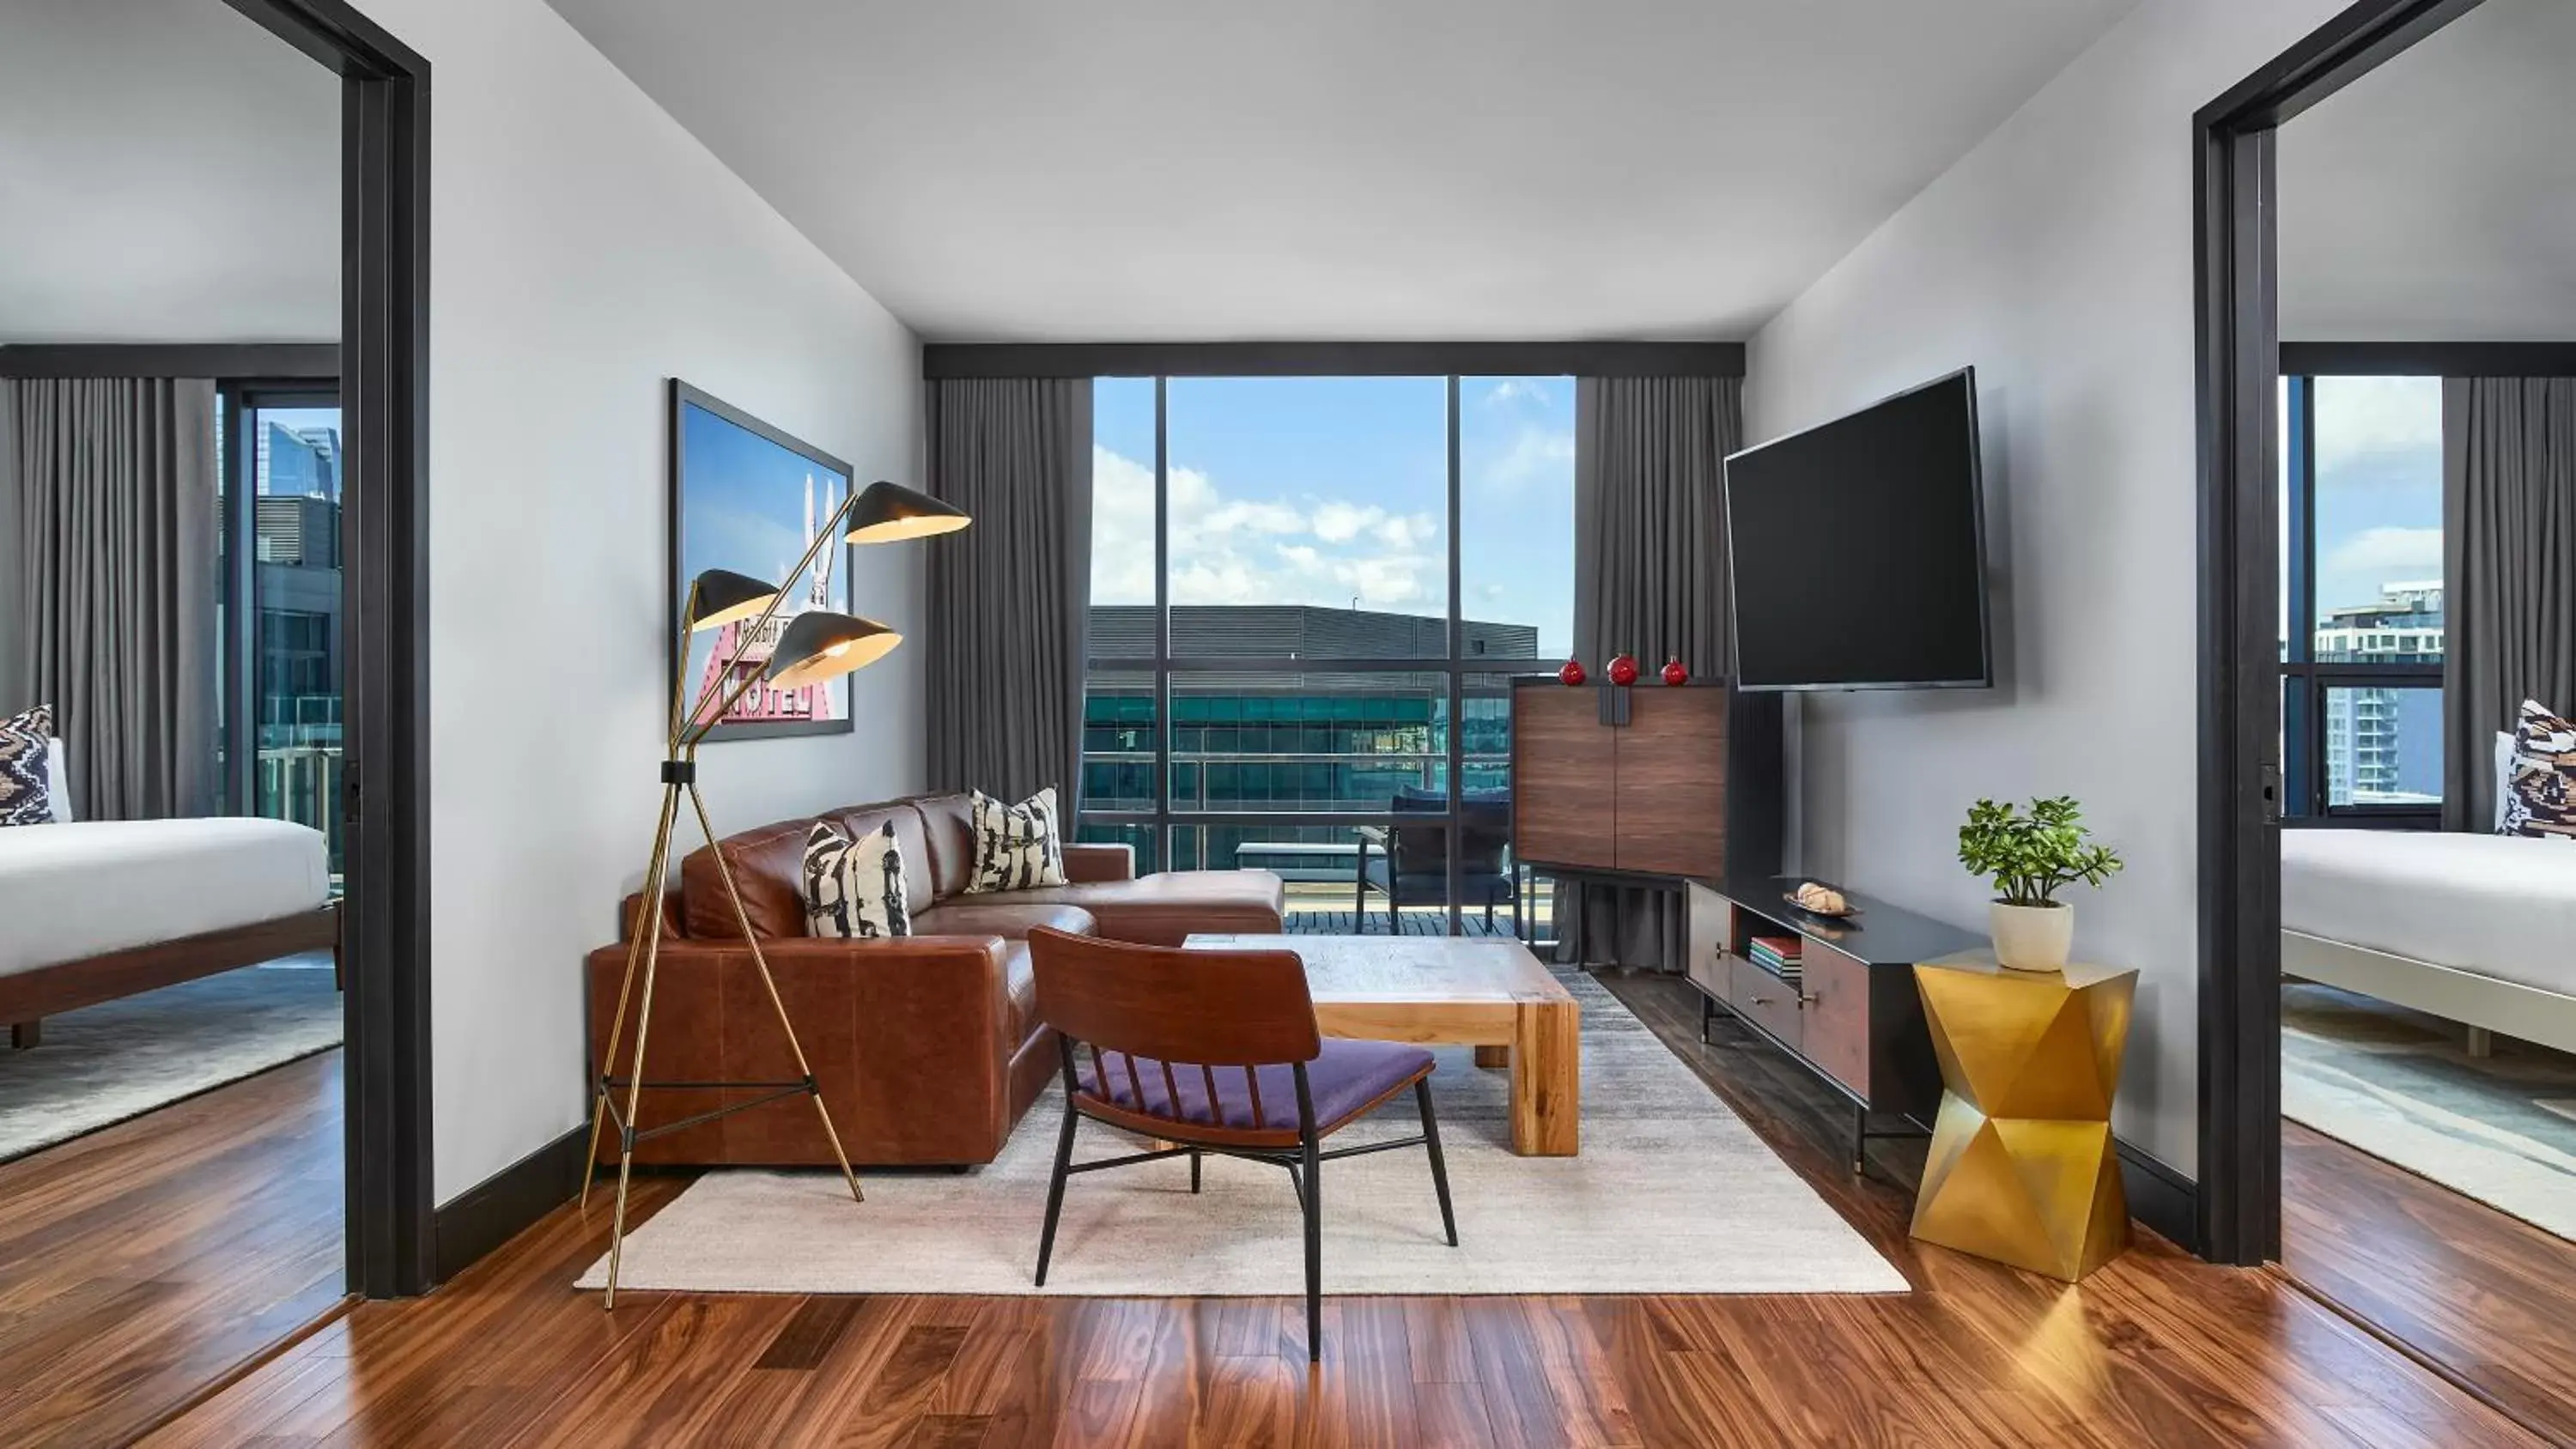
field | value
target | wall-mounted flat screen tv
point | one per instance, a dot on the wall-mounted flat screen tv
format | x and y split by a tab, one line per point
1857	549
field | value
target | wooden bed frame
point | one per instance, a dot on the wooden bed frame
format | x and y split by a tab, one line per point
2481	1003
28	997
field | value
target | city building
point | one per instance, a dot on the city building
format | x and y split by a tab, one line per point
1285	740
2384	745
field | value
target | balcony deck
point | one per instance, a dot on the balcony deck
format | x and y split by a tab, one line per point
1318	909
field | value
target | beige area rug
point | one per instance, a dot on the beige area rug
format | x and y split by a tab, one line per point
1672	1194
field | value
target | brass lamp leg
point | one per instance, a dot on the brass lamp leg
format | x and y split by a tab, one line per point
635	1087
654	872
742	918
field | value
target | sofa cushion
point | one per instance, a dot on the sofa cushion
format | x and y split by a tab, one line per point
769	864
1003	917
854	884
948	826
1166	908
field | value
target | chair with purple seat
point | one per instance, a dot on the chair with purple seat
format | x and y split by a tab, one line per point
1217	1051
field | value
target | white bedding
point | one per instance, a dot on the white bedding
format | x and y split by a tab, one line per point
2495	905
70	891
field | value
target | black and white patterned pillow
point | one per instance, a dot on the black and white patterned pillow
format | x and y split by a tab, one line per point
854	888
2541	802
26	795
1017	847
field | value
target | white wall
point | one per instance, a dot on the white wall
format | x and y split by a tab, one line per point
583	248
2057	258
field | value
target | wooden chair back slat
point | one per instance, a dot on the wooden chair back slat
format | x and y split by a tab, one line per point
1208	1075
1252	1080
1212	1008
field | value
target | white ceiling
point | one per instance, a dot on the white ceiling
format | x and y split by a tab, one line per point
2435	198
1047	170
169	172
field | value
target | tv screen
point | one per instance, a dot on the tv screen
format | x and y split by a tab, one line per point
1858	549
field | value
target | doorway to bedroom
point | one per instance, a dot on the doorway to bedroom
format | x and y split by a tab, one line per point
191	666
2393	930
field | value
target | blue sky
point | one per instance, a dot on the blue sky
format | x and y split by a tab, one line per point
2379	485
745	511
1332	492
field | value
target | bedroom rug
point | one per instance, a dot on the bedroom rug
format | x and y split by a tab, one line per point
2400	1086
1672	1193
104	1064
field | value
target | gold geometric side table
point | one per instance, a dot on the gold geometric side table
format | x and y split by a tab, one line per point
2022	1168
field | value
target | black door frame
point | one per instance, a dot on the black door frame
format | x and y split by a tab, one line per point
2235	272
384	400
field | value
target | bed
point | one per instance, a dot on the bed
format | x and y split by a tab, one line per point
2477	929
98	910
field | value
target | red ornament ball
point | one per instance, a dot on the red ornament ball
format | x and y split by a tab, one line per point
1572	673
1623	671
1674	673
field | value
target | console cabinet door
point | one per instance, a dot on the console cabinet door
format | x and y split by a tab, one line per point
1564	774
1672	782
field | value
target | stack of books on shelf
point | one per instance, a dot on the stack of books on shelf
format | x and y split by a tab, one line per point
1776	954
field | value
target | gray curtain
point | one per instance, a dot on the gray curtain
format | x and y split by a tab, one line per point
1010	598
109	484
2509	565
1649	580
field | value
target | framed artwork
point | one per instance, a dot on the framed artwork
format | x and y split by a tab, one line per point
747	497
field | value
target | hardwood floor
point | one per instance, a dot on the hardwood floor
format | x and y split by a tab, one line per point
142	1262
2157	1349
2483	1294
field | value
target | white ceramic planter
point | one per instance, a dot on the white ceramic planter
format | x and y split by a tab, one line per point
2032	938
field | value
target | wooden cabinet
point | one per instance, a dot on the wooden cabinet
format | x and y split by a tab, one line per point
1650	780
1852	1016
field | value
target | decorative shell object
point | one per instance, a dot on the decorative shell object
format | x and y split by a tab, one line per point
1821	899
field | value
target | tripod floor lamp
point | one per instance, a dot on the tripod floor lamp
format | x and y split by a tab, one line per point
816	646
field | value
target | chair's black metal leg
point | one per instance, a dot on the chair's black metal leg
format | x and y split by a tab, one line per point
1314	1197
1194	1169
1055	1189
1439	1164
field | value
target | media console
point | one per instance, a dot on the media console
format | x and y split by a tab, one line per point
1850	1014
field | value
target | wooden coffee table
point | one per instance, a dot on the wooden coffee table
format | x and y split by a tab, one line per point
1491	995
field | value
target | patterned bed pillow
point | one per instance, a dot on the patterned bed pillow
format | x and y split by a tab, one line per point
26	796
2542	802
854	888
1017	847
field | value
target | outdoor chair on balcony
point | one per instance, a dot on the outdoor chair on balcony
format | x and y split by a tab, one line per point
1409	864
1216	1051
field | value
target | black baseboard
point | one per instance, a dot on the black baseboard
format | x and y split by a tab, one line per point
2160	1197
501	1206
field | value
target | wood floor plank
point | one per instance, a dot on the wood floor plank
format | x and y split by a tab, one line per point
2156	1350
143	1261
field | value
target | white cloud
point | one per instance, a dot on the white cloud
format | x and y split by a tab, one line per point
1228	550
2358	417
1535	455
1516	389
2390	553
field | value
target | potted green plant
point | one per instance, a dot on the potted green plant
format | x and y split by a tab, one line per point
2030	858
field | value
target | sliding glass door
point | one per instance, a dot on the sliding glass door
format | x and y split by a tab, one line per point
1308	597
282	609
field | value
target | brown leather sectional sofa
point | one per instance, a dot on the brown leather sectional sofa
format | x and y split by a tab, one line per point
927	1047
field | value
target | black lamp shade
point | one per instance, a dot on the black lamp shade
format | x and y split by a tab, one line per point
890	513
820	645
721	596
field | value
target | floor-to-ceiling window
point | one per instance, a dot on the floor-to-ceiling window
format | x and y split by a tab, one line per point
1308	597
2361	608
280	732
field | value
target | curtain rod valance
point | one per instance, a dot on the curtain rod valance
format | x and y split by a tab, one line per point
2428	359
1331	359
280	361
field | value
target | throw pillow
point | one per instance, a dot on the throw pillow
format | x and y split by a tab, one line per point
2503	778
58	768
2542	803
854	888
26	794
1017	847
